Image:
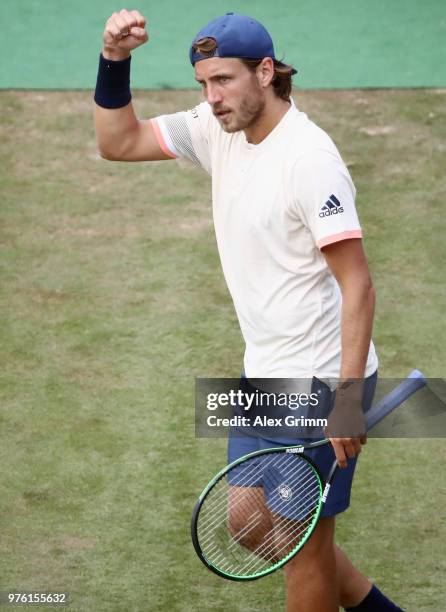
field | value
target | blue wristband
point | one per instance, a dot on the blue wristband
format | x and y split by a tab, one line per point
113	83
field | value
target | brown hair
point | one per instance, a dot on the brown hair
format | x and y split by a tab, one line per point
283	73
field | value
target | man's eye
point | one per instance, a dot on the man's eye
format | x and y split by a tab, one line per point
224	79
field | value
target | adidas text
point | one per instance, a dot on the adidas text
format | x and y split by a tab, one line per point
331	207
328	213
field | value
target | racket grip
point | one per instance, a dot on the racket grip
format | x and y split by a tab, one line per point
416	380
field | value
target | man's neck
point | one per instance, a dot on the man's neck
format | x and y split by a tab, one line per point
273	113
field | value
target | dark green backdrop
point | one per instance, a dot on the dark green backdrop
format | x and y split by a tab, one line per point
342	44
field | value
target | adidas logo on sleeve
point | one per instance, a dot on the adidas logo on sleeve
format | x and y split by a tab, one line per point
331	207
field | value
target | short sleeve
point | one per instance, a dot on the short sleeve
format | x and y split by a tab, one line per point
186	134
325	198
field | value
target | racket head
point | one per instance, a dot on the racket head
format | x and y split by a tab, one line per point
257	513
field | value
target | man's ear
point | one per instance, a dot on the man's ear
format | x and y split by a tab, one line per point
265	72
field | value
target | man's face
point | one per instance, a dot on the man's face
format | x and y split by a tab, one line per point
232	90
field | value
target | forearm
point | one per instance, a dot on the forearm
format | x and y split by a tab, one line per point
358	307
346	425
115	128
120	135
114	125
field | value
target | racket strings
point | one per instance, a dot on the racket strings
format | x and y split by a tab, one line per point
282	530
258	513
268	547
287	531
214	511
252	478
289	537
246	479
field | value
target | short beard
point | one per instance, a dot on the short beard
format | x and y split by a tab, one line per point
250	111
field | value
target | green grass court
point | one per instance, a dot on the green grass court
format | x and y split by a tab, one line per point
112	301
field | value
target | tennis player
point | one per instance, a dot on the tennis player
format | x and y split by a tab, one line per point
289	240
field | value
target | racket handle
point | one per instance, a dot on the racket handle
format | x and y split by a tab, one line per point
416	380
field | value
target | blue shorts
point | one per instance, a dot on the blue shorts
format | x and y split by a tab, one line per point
323	457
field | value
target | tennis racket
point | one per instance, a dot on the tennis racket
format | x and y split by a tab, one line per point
260	510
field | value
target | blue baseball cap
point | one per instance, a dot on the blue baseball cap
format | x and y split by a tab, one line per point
236	36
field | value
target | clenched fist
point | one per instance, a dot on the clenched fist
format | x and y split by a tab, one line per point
124	31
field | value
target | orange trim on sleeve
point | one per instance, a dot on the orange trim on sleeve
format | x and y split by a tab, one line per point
338	237
164	148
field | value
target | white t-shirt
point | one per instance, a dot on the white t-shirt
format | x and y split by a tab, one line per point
275	205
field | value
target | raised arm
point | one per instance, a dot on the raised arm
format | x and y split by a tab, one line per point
119	134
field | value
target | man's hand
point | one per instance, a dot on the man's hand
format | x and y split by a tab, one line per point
347	448
346	424
124	31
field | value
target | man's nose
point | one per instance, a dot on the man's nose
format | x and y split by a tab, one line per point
213	95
